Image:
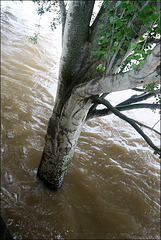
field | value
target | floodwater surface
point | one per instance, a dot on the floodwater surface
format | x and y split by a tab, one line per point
111	190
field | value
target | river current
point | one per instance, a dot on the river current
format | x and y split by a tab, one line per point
112	188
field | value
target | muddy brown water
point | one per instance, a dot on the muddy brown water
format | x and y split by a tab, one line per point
111	190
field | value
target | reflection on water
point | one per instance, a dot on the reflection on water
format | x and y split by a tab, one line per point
112	186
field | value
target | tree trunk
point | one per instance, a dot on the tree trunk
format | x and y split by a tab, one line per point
70	110
61	139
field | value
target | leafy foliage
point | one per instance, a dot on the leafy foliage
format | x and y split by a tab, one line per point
119	40
120	25
49	6
43	7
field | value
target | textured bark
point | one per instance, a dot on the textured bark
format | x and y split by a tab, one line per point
61	140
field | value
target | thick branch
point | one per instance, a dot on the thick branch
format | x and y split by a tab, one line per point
131	122
146	74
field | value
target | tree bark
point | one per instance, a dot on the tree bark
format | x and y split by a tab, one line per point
61	140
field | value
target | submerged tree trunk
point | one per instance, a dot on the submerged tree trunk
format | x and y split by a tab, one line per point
61	140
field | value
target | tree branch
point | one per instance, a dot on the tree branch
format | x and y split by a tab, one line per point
106	111
146	74
154	92
131	122
152	129
123	106
137	98
136	106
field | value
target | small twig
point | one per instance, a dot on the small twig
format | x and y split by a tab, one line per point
143	125
111	42
156	123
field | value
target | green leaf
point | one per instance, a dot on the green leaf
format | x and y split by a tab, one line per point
150	29
155	16
104	50
117	4
119	24
101	26
116	44
134	66
141	62
140	51
147	20
40	11
96	53
149	51
157	30
133	45
108	34
105	55
118	34
141	15
122	52
101	38
137	57
127	43
101	67
130	57
141	38
124	6
102	32
131	7
147	8
127	30
111	13
112	53
111	19
139	46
